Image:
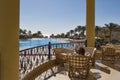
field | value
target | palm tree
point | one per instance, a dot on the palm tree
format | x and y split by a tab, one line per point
24	31
76	36
52	36
24	34
97	30
76	30
67	34
39	34
111	27
104	32
21	31
29	34
79	29
58	36
71	32
83	31
62	35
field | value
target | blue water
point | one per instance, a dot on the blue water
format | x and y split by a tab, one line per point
24	44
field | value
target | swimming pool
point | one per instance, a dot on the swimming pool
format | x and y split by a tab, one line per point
24	44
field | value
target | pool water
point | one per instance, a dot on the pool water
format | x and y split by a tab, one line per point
24	44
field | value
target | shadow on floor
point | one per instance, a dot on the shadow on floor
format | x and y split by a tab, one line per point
115	65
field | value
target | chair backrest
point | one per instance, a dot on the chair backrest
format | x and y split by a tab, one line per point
58	51
78	66
90	51
104	49
78	61
58	54
62	50
109	51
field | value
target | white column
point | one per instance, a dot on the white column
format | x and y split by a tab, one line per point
9	39
90	22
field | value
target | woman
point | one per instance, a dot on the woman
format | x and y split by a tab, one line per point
81	50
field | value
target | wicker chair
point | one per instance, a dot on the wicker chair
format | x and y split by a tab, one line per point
58	53
78	66
117	51
90	51
108	53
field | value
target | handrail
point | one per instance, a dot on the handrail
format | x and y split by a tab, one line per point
40	69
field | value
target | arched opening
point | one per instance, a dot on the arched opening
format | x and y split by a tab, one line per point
9	41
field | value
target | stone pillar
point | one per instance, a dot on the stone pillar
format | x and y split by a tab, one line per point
90	23
9	39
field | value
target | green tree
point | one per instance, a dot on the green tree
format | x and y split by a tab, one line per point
67	34
97	30
76	30
30	34
62	35
83	31
24	31
111	27
21	31
79	29
52	36
71	32
39	34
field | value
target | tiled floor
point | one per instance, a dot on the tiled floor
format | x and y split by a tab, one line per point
103	70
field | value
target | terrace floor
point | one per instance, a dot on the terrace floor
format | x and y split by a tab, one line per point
103	70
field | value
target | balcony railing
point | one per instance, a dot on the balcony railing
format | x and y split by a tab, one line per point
33	57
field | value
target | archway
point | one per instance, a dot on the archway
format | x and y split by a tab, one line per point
9	32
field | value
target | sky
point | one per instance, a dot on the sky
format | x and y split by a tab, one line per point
60	16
